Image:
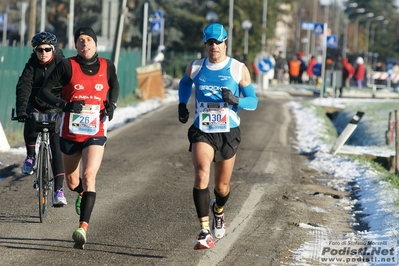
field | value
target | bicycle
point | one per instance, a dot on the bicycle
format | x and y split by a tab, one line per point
43	182
167	81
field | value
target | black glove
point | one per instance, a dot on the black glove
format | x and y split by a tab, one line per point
183	113
73	107
21	117
229	97
110	108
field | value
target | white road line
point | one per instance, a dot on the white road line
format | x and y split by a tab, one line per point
234	229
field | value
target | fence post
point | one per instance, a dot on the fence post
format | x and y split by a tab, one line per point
390	133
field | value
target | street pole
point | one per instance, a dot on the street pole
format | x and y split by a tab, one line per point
119	31
313	44
162	34
231	13
5	25
42	15
357	20
32	20
24	7
323	63
367	36
71	24
345	41
144	41
149	43
264	24
246	25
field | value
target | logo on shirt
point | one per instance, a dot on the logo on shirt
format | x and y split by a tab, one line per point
224	77
79	87
209	89
202	78
99	87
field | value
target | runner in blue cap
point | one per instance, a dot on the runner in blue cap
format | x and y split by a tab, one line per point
222	86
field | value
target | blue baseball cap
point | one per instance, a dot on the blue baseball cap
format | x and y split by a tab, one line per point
215	31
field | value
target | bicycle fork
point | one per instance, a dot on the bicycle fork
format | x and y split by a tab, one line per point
42	139
38	143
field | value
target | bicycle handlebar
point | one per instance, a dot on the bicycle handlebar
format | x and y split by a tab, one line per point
13	118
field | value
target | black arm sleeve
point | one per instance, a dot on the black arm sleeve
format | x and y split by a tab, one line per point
24	87
112	82
61	75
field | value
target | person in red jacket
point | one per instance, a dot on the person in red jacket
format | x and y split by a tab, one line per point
348	72
309	70
360	72
255	70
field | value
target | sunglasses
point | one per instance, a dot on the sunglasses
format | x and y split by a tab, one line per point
40	50
212	41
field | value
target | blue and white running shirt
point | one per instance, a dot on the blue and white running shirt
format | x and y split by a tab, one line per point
212	114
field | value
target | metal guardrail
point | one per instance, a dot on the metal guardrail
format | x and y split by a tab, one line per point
382	80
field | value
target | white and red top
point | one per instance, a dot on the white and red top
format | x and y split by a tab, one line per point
93	90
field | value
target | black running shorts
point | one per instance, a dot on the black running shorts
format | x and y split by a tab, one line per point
224	144
69	147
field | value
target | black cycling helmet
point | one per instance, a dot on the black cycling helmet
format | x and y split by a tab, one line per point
43	37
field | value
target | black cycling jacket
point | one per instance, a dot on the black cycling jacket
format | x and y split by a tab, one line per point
31	80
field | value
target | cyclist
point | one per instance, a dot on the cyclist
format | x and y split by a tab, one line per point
215	134
43	60
90	89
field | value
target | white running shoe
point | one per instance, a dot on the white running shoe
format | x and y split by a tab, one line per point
218	226
59	199
204	240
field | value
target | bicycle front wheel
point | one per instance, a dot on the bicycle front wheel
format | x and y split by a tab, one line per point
167	81
42	178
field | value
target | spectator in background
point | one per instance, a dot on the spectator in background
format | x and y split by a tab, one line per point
338	64
160	57
281	65
360	72
255	70
379	67
294	69
395	76
329	63
302	67
309	70
338	68
348	72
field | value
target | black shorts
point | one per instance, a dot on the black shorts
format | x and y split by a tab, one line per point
69	147
224	144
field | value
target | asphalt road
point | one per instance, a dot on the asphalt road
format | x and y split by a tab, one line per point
144	213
